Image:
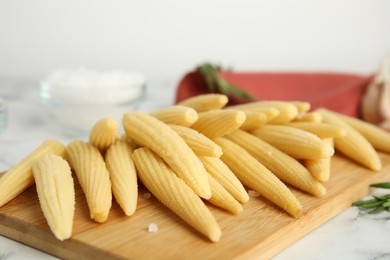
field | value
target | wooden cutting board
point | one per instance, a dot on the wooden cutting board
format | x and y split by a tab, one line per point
260	231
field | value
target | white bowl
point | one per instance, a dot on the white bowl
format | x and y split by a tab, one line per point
77	99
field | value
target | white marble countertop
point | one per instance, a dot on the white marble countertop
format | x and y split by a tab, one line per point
353	234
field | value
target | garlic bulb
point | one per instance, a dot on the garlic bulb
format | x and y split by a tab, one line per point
375	105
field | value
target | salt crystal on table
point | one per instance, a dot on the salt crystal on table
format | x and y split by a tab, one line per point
253	193
147	195
153	228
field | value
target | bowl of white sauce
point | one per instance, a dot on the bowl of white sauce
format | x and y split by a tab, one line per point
76	99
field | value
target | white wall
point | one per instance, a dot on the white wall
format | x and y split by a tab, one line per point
166	38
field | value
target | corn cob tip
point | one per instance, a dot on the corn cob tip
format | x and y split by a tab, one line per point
204	193
99	217
318	189
63	236
215	235
244	198
240	117
223	99
222	198
376	165
236	209
104	133
327	150
192	115
296	214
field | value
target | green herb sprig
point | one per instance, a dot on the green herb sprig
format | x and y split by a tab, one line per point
378	203
216	83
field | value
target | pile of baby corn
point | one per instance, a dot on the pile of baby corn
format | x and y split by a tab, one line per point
192	154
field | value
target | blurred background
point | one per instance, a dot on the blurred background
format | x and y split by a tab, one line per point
165	39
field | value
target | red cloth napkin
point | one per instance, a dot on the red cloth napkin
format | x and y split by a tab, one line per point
335	91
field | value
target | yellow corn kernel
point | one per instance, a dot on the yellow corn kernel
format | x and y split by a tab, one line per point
177	115
199	143
94	179
255	176
302	106
217	123
160	138
222	198
171	191
220	172
55	188
20	177
287	110
354	145
320	168
321	130
295	142
313	117
123	176
282	165
378	137
104	133
205	102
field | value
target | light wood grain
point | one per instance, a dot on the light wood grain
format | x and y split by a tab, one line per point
260	231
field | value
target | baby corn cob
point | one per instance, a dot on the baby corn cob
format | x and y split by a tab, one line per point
222	198
151	132
313	117
171	191
221	173
93	177
123	176
177	115
287	110
320	168
378	137
253	120
104	133
256	117
255	176
282	165
205	102
217	123
55	188
270	112
321	130
302	106
199	143
20	177
353	144
295	142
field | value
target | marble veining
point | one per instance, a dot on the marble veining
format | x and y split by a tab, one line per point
353	234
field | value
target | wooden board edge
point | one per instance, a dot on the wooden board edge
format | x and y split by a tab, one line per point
270	247
37	243
39	239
